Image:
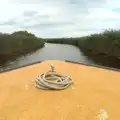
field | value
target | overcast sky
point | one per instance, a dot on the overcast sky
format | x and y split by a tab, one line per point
59	18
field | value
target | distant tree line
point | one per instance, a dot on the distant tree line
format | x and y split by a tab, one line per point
21	42
106	43
70	41
18	43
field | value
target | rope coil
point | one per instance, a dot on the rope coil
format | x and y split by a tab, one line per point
52	80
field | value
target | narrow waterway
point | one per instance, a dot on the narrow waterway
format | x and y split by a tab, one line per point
50	52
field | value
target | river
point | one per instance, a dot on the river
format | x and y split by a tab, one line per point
50	52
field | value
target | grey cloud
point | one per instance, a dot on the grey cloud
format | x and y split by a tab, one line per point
48	25
71	14
9	22
29	13
42	17
87	29
81	3
45	21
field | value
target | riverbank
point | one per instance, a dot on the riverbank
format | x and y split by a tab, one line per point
92	49
18	43
103	45
49	52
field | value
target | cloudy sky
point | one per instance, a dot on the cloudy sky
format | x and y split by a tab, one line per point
59	18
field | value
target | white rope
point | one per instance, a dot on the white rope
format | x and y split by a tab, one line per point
103	115
52	80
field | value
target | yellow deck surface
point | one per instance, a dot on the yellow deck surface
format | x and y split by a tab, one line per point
93	89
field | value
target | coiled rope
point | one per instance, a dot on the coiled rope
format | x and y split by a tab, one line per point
52	80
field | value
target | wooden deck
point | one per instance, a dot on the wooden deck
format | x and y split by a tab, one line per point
93	89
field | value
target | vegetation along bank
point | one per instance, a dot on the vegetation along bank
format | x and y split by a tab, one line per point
103	48
104	44
18	43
